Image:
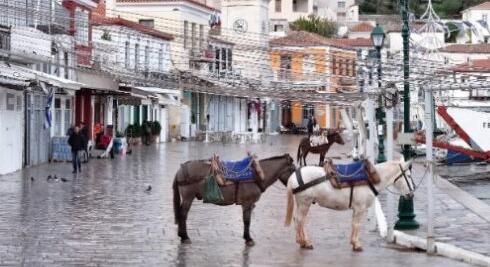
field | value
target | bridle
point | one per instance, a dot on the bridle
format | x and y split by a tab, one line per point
404	175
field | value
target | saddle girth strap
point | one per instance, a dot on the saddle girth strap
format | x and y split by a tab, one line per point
304	186
351	196
299	177
371	186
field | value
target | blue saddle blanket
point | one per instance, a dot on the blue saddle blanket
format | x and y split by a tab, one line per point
353	172
238	170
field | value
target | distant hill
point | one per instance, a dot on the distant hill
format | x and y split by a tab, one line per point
445	8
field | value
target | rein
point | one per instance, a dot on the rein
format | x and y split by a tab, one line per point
404	175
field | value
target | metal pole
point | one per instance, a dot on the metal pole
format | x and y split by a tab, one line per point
380	115
405	206
429	132
389	152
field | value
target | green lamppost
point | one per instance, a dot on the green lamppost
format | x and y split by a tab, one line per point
406	213
378	38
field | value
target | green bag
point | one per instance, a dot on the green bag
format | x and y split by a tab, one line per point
212	192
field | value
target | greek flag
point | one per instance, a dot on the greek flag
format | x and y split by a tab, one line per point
47	110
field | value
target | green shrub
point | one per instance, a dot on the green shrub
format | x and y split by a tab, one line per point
156	128
133	130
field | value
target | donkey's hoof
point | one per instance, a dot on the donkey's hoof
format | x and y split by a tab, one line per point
357	249
250	243
310	246
186	241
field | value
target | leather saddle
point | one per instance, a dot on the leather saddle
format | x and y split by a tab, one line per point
230	172
352	174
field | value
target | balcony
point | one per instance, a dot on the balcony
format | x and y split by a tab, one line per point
201	55
25	44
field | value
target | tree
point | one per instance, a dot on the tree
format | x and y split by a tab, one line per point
315	24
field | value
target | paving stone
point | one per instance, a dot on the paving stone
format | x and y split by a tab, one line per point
104	217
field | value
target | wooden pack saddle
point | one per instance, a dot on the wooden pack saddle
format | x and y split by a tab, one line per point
353	174
231	172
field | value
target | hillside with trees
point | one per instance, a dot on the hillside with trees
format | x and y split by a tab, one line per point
445	8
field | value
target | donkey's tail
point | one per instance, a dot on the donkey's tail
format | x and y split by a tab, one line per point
175	188
290	206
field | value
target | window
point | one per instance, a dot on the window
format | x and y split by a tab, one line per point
160	58
300	5
66	62
193	36
484	17
229	59
81	26
308	111
62	115
147	58
211	65
278	28
150	23
285	71
201	36
277	5
223	59
185	33
341	5
4	39
126	55
136	56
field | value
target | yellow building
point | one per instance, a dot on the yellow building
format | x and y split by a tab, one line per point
309	62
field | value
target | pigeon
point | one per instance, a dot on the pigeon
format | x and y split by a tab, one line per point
32	178
63	179
55	177
148	189
49	178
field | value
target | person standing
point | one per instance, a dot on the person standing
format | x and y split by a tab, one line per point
84	132
310	126
76	141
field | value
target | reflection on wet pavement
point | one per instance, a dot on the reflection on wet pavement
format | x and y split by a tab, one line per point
105	217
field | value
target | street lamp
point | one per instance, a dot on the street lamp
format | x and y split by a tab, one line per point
378	38
405	205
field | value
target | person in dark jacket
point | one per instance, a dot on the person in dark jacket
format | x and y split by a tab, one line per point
76	141
84	133
310	126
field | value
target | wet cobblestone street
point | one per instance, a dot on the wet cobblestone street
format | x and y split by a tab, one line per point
105	217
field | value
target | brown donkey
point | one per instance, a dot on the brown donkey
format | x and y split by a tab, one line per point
304	147
189	181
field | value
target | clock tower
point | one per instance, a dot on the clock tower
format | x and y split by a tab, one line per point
246	24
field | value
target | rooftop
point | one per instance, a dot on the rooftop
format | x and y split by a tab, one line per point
305	39
467	48
357	42
99	21
477	65
362	27
482	6
201	3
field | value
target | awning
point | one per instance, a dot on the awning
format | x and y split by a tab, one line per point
57	81
97	81
164	96
15	75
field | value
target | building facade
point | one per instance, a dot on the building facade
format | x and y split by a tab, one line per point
308	62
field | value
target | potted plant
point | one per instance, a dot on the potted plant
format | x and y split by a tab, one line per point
156	129
133	132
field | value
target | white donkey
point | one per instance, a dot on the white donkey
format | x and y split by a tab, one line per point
324	194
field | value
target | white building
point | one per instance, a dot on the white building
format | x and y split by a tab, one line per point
283	12
475	27
127	48
463	53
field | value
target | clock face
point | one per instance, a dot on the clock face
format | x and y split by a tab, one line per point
240	26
